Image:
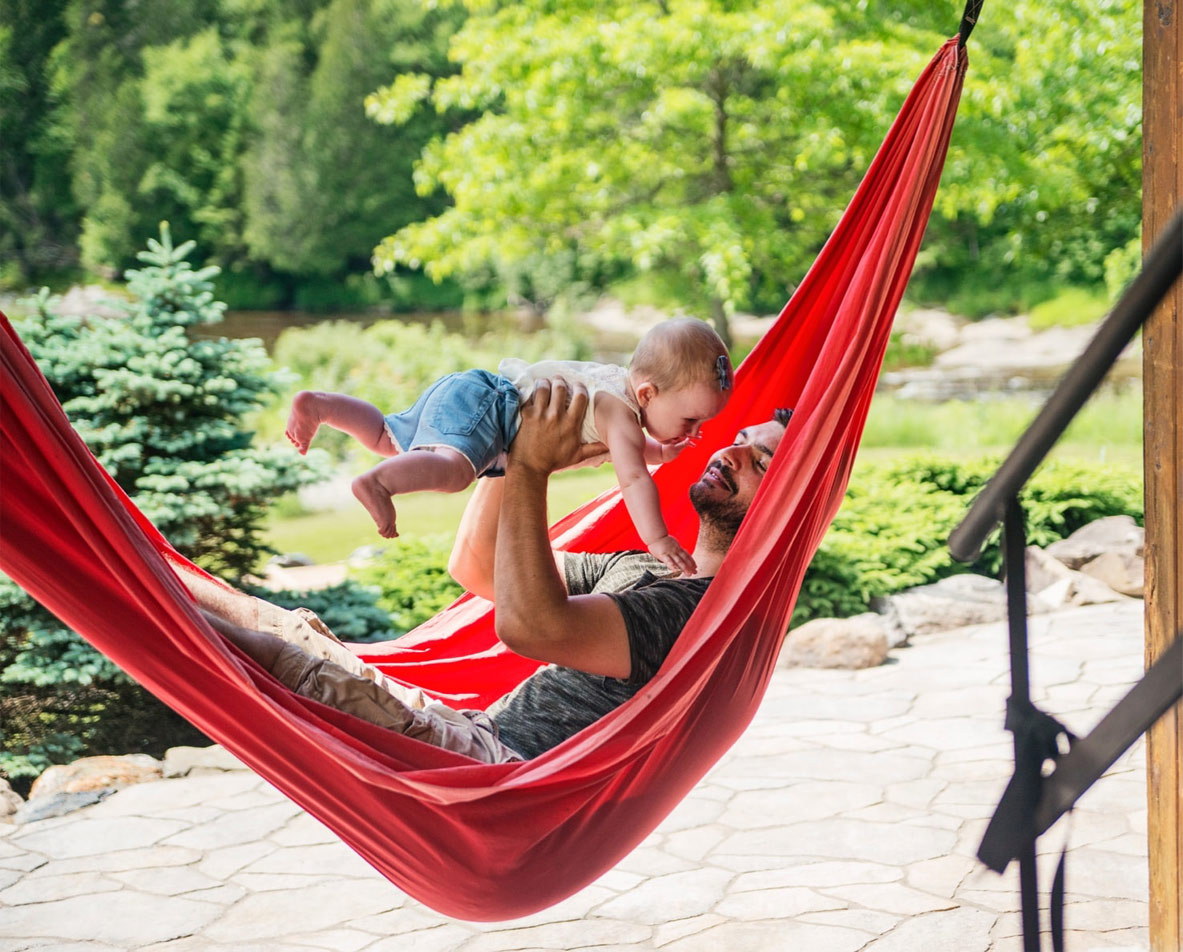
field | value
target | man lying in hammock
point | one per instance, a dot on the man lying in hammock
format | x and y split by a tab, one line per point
604	625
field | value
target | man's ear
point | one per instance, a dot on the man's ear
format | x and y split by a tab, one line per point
645	392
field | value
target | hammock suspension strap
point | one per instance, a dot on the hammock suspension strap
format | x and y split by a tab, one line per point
969	19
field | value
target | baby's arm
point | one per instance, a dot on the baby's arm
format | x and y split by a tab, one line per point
626	445
657	453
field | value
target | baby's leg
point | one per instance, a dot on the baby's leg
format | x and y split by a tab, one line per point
363	421
441	470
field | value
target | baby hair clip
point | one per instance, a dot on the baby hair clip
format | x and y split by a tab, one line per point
723	372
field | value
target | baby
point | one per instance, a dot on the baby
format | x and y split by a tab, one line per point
679	377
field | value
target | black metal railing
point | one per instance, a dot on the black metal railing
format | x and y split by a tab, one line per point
1033	800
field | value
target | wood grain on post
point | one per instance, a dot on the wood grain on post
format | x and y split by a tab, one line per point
1162	381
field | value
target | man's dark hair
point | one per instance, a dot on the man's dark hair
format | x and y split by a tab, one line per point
781	415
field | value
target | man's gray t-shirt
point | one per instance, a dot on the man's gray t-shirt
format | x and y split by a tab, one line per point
557	702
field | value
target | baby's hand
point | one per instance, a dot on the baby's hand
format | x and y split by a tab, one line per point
670	451
672	554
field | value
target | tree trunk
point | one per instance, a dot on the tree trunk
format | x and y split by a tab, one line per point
719	319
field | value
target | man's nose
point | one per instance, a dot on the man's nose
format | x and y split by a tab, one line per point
732	457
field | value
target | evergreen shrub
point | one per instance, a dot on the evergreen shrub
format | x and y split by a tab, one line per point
412	580
349	609
165	416
893	529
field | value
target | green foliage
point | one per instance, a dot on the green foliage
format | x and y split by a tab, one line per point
242	123
402	587
390	363
38	218
711	143
1110	421
1121	264
902	353
892	531
322	182
668	140
164	416
1044	174
1069	308
350	610
411	576
674	139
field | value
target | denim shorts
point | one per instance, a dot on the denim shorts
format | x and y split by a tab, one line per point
474	412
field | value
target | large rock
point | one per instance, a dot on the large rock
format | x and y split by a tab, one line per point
183	761
59	804
953	602
10	801
937	329
1121	570
858	642
96	773
1111	534
1051	585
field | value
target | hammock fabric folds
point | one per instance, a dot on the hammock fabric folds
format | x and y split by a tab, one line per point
480	841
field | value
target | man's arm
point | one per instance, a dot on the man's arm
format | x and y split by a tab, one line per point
472	562
536	617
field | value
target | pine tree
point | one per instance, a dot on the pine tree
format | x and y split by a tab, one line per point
165	415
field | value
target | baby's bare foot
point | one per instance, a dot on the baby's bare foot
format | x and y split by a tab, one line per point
303	420
376	499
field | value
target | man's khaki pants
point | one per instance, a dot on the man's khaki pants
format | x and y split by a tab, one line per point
314	664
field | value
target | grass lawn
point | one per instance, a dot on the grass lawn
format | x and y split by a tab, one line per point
332	535
1109	430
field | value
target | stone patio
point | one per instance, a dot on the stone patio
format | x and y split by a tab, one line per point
845	820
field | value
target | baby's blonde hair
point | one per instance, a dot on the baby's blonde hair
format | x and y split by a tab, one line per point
679	353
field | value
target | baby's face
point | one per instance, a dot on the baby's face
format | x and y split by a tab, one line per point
675	415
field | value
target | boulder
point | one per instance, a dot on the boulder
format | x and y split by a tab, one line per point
1043	569
937	329
953	602
1111	534
10	801
288	560
59	804
1121	570
183	761
96	773
1051	585
858	642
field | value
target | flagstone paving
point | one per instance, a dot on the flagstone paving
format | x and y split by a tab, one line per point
845	820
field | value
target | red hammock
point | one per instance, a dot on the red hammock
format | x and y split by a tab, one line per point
481	841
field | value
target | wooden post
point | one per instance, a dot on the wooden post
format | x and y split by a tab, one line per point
1162	381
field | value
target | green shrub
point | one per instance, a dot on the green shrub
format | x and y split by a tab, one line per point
902	353
1069	308
978	292
250	291
165	416
1121	264
893	529
411	576
890	535
415	291
351	610
389	363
